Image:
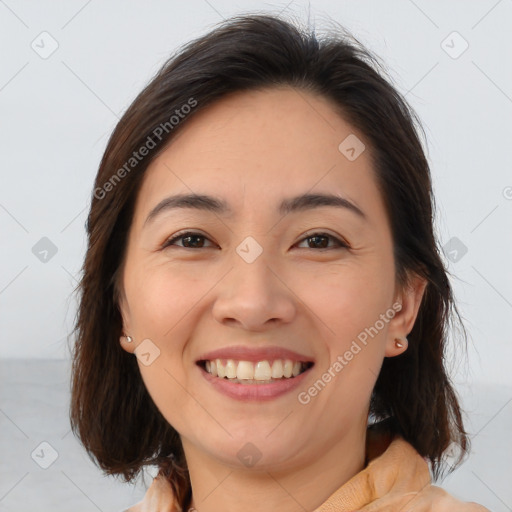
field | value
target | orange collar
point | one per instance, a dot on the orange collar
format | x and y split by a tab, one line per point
397	472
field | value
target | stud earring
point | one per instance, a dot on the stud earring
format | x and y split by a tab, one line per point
401	342
129	339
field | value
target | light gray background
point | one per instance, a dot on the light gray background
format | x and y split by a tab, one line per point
56	114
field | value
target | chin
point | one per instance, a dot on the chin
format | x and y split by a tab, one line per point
258	452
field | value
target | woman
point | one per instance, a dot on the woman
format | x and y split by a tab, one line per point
264	309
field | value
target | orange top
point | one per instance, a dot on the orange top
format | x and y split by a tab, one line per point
397	478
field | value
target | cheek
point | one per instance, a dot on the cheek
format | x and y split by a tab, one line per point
347	298
166	387
348	301
162	299
164	304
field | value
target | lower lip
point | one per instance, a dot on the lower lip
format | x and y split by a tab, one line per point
249	392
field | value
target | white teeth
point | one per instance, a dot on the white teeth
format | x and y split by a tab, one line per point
231	369
221	370
249	372
262	370
213	368
277	369
288	368
245	370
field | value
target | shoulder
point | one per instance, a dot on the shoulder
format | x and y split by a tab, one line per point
438	500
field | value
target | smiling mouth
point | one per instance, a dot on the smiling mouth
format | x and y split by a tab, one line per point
260	372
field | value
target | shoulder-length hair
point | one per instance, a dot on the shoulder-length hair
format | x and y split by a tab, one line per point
111	411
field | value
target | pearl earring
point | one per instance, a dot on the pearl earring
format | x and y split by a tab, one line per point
129	339
401	342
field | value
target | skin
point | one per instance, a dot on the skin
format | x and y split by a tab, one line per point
254	149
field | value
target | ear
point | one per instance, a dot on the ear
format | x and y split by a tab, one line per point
401	324
126	330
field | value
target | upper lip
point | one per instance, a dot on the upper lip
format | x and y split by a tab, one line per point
244	353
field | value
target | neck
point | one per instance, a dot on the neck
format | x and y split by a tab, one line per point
216	486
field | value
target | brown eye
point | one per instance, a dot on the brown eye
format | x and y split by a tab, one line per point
321	241
190	240
193	240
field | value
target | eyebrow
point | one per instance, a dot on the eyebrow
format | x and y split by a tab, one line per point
219	206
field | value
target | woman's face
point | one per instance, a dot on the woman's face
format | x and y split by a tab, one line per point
272	287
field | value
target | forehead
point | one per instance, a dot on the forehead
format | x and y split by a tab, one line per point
260	146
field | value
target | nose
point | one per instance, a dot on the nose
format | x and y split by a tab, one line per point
254	296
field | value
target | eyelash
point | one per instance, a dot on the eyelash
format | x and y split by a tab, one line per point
341	244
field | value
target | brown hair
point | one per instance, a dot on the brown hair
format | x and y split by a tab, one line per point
111	411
